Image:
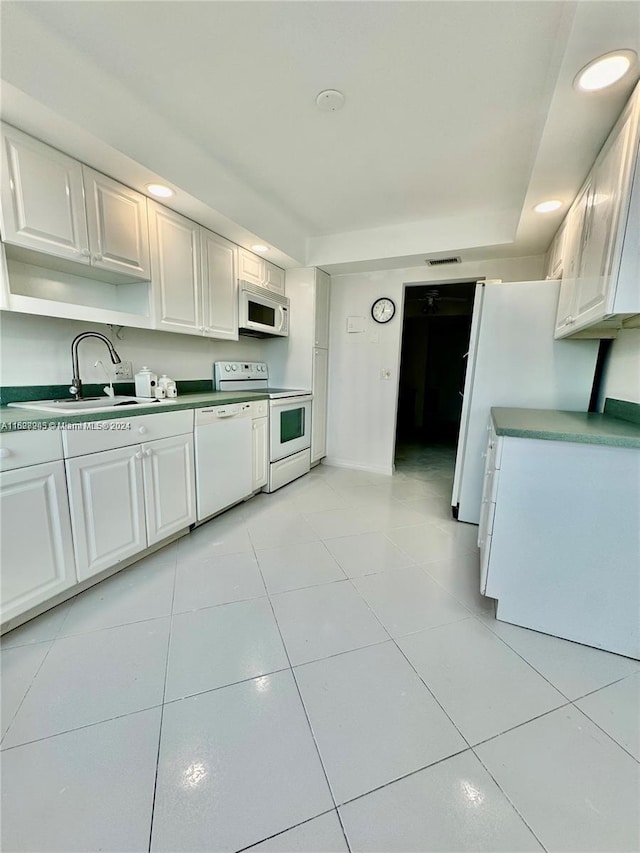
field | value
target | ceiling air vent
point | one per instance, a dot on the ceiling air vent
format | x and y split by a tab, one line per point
437	262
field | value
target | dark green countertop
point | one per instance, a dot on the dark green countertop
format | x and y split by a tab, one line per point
580	427
14	419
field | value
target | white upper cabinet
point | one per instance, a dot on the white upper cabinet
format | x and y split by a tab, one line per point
323	293
273	278
261	273
175	271
573	230
555	255
602	250
118	226
219	286
42	198
250	268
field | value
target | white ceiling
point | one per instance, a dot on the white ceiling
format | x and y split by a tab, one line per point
459	116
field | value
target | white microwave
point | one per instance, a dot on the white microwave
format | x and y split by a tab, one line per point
261	312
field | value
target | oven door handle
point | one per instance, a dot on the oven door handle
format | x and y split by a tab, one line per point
290	401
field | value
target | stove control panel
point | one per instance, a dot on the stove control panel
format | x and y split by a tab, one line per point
239	371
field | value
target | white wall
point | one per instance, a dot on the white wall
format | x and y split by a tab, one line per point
622	371
362	406
37	351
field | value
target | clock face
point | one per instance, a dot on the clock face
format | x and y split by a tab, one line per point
383	310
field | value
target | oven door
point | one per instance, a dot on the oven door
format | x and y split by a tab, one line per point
289	426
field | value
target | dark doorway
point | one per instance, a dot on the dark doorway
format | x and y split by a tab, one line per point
435	341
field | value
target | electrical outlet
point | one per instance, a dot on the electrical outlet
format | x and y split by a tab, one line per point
124	370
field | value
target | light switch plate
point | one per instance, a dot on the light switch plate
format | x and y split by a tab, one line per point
355	324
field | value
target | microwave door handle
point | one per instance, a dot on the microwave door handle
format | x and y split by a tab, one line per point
282	316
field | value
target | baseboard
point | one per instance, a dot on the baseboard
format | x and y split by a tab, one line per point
346	463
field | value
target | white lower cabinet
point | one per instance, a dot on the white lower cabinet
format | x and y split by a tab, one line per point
106	496
558	539
36	550
124	500
169	487
260	436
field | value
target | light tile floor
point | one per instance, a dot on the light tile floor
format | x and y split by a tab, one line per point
315	670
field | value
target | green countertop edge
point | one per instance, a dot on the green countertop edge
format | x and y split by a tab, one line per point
24	393
16	420
587	427
622	409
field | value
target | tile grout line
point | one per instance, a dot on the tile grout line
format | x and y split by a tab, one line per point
509	800
79	728
36	673
288	829
604	731
304	708
164	691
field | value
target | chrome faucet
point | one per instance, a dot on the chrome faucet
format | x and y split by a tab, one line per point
75	388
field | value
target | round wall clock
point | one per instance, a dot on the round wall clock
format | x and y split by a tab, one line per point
383	310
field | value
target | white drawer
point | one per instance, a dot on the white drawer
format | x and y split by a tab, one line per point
259	409
30	447
94	436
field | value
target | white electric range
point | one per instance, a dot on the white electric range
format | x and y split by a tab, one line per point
289	418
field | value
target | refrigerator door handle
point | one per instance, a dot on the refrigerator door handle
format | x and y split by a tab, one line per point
464	374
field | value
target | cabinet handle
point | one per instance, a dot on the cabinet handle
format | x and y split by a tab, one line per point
148	452
97	257
5	453
142	430
138	454
85	253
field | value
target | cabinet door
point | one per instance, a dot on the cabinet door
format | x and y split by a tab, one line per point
107	508
610	177
555	255
175	271
35	546
118	226
319	411
273	278
42	198
219	286
260	433
323	293
250	268
169	486
571	261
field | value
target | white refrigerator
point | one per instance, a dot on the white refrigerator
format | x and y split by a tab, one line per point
514	361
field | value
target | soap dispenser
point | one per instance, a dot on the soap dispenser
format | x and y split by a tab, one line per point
146	382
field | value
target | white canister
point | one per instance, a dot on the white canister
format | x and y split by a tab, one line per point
146	382
170	387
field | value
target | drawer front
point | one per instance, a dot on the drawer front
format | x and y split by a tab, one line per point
259	409
96	436
19	449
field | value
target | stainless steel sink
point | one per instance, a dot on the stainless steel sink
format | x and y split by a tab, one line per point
91	404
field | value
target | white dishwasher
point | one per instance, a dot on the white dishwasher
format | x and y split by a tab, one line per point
224	469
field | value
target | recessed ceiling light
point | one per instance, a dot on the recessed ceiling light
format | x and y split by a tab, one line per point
604	71
548	206
330	100
259	248
160	190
